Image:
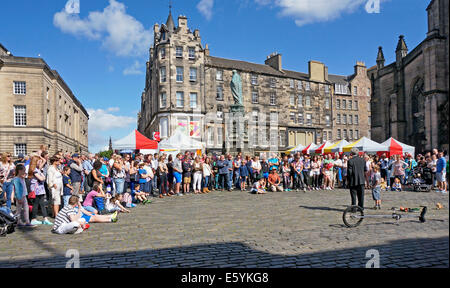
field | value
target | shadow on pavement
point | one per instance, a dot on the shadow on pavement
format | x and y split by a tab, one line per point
413	253
322	208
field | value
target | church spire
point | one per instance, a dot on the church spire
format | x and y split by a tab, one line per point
380	58
401	46
169	23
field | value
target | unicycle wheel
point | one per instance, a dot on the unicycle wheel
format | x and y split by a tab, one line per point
353	216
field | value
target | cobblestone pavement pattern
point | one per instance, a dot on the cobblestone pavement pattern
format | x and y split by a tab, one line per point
238	229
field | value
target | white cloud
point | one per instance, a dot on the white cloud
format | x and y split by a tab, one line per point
103	120
311	11
119	32
205	7
113	109
135	69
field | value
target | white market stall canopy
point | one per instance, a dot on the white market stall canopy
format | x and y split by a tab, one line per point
395	147
181	141
134	141
365	145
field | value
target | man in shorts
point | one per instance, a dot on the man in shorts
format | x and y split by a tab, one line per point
177	173
440	173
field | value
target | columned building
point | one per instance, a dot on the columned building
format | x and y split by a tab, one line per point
410	96
187	88
38	108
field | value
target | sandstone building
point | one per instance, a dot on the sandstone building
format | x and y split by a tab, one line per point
38	107
410	96
187	88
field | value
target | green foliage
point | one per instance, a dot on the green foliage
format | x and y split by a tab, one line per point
106	154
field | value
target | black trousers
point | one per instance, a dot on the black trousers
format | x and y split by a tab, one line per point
357	191
223	181
38	201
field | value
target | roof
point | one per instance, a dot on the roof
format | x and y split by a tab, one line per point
4	49
253	67
40	63
338	79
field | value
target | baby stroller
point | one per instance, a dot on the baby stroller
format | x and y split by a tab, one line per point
423	182
8	221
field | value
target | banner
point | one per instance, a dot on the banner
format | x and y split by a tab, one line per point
194	129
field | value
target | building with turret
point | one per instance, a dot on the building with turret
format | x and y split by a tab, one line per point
186	88
410	96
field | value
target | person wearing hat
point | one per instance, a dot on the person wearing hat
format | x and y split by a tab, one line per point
20	159
275	181
356	167
76	169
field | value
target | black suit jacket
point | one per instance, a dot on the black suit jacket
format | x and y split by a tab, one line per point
355	171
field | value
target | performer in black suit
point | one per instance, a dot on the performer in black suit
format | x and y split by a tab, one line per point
355	175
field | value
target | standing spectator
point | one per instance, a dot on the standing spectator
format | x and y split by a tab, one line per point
230	171
337	179
355	172
243	174
410	168
127	168
250	170
155	165
68	188
6	175
328	172
315	167
197	177
440	173
256	168
306	172
118	173
344	172
376	186
20	159
433	165
177	173
162	176
286	172
76	170
236	167
20	194
148	187
187	174
224	173
87	168
207	173
265	170
55	184
37	186
399	169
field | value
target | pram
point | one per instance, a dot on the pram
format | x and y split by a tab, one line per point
8	221
423	180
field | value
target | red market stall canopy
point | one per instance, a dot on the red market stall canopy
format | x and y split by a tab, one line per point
310	149
365	145
135	141
395	147
322	147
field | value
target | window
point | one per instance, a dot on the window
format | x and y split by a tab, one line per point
339	134
273	137
300	85
219	112
273	117
163	100
344	119
210	135
48	119
180	74
219	94
300	118
308	101
163	35
368	91
356	120
327	103
219	75
300	100
292	117
338	119
345	134
180	99
164	127
292	100
20	88
355	105
369	121
273	99
327	89
355	90
291	83
255	97
273	83
344	104
327	120
179	52
20	149
219	136
254	79
350	134
357	134
191	53
255	116
341	88
193	102
163	74
349	104
282	136
307	86
162	53
324	136
193	74
20	116
350	118
48	90
309	119
338	104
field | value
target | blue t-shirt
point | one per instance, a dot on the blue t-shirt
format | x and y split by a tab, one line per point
243	171
440	165
273	161
141	172
66	190
103	170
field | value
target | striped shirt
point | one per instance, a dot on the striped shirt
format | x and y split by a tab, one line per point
63	216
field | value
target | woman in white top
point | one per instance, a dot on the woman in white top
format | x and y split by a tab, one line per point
256	166
55	184
198	170
207	173
6	175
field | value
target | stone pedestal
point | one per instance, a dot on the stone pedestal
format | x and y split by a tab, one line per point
237	138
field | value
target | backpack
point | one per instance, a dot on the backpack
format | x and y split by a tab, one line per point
8	222
90	179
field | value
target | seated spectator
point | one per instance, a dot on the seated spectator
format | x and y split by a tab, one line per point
113	204
397	186
275	181
257	187
97	192
69	220
139	195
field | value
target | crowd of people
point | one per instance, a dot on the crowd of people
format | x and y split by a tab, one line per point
85	189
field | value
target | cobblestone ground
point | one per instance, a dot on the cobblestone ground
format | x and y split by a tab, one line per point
238	229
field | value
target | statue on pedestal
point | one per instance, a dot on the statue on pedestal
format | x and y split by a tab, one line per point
236	88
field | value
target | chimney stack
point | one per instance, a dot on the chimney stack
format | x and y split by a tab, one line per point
274	61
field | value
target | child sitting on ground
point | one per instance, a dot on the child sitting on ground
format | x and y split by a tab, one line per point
127	200
113	204
139	195
257	187
396	186
383	184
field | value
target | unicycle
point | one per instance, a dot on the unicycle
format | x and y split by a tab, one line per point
354	215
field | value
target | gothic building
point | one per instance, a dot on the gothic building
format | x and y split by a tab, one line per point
410	96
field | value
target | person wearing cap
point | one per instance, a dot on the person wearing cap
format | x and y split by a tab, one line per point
76	169
275	181
20	159
356	167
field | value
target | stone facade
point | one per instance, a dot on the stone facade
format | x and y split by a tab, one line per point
410	96
38	108
282	108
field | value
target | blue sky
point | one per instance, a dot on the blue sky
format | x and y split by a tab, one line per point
101	52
